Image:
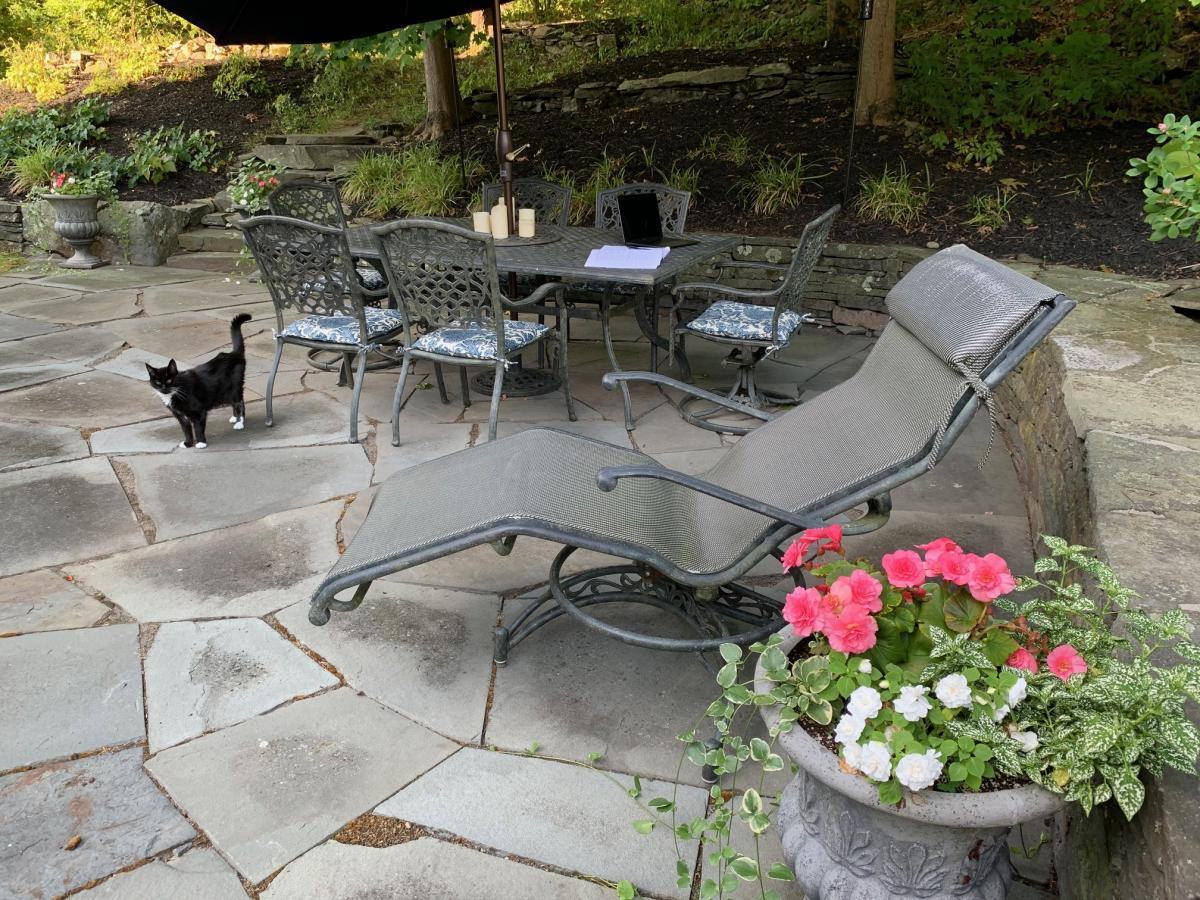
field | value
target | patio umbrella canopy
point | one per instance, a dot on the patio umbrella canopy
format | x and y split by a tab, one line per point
281	22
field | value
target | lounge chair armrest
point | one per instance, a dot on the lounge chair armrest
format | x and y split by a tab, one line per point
608	477
612	380
745	264
542	292
713	287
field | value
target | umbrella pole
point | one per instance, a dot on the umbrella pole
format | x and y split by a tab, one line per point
504	142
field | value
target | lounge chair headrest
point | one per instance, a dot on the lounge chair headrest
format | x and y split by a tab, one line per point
964	306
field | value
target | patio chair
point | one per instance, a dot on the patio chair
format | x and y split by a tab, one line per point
445	279
672	205
550	202
960	324
307	268
756	325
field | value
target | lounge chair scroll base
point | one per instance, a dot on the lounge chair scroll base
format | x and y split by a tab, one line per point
960	324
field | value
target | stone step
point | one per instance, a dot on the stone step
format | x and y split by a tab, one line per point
324	157
223	240
210	261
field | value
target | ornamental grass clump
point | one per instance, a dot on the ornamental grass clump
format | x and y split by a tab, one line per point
938	669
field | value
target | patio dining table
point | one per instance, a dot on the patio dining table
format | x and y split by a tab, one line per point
561	252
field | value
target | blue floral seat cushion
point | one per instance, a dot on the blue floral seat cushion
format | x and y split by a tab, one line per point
344	329
479	341
744	321
370	278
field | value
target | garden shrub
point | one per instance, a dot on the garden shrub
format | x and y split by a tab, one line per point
155	154
122	66
779	184
239	77
416	180
1171	179
27	70
897	198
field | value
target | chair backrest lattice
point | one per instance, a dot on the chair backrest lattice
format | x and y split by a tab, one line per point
550	202
306	267
440	274
312	201
672	205
795	282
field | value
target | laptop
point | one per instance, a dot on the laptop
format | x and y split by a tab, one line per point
641	224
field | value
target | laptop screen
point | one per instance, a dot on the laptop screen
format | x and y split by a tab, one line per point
640	222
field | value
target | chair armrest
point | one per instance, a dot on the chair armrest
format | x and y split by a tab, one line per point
723	289
611	380
607	478
543	291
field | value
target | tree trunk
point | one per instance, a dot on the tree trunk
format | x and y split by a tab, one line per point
441	93
877	68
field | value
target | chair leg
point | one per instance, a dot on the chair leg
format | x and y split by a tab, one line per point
358	384
606	332
397	400
565	378
497	390
466	387
441	382
271	381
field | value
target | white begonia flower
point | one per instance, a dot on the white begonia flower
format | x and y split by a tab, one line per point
876	761
852	754
1027	739
953	691
912	703
1018	692
865	703
849	729
917	771
1000	713
864	666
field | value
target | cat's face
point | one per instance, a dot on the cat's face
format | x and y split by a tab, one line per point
163	379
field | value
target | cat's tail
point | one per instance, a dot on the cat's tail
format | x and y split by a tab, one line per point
235	331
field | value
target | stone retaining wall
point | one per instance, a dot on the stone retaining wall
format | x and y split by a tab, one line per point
138	232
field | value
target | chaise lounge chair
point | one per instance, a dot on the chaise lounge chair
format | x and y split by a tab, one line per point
960	324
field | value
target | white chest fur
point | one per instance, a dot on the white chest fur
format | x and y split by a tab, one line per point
165	398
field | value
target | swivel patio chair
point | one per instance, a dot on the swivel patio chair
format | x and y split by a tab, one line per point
307	268
444	279
756	325
550	202
960	324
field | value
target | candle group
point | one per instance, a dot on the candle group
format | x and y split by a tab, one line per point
495	222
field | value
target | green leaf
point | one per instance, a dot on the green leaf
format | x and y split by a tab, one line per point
751	802
998	646
730	653
643	826
728	674
636	790
626	891
759	749
957	771
774	762
780	872
890	792
1128	791
661	804
745	868
1097	735
821	712
963	612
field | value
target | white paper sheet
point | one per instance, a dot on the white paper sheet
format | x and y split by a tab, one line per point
616	256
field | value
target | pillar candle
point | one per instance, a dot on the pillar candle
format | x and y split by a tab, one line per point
483	222
525	223
499	222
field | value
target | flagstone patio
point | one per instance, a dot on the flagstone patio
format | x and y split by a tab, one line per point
171	716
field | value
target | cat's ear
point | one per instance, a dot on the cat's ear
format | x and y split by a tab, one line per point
172	369
150	370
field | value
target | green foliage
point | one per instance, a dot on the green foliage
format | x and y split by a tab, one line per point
22	132
897	198
608	172
239	77
983	149
153	155
1021	66
779	184
990	212
1171	179
252	183
729	148
416	180
124	65
27	70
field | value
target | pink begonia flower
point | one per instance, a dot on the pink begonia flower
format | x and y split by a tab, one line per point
1162	126
851	632
904	569
1065	661
1022	659
860	589
831	535
956	566
990	578
934	551
802	610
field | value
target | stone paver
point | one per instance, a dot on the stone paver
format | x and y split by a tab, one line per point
42	601
198	874
420	442
17	296
15	377
300	420
588	705
27	445
201	676
247	570
555	813
107	801
200	490
422	651
424	869
83	309
112	278
13	328
85	345
164	299
270	788
88	400
54	514
69	692
181	335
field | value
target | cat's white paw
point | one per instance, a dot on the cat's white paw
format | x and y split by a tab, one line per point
182	445
233	420
239	424
200	445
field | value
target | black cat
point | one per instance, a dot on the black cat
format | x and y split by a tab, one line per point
191	395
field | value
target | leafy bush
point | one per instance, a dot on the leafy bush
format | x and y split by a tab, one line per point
990	212
416	181
68	184
724	147
122	66
155	154
896	198
239	77
252	183
1171	179
28	71
35	168
779	184
608	172
21	132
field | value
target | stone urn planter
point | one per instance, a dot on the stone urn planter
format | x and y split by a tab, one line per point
76	220
843	844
